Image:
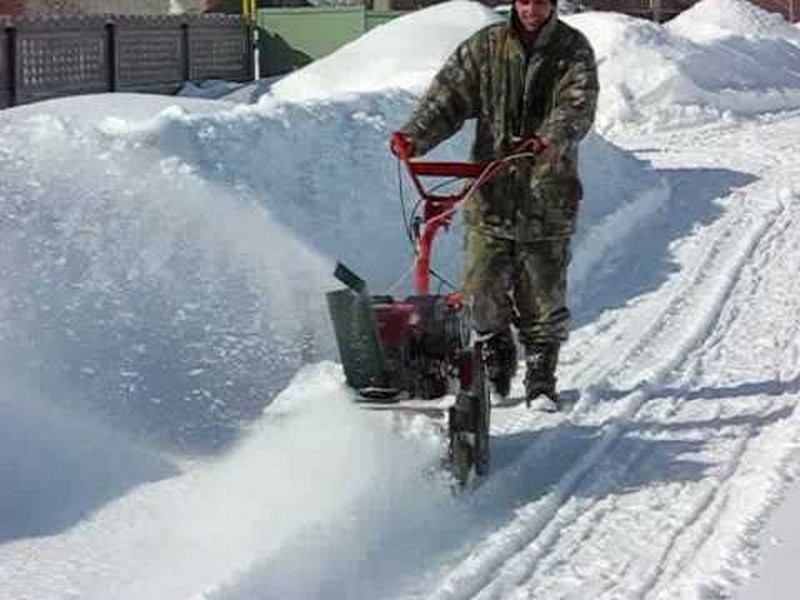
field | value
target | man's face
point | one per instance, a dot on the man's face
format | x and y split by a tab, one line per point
532	13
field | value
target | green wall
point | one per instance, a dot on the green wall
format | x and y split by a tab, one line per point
379	17
293	37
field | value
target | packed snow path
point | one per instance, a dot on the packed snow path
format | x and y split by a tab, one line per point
668	461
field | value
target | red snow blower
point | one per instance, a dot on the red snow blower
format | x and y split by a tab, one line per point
420	347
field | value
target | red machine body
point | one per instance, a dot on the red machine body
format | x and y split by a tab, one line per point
420	346
423	337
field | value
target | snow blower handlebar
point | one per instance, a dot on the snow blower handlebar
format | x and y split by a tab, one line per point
439	209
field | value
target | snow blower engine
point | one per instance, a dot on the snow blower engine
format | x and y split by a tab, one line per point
391	349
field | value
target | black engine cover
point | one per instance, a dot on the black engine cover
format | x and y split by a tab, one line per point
421	338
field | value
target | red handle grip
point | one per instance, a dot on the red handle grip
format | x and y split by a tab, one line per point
464	170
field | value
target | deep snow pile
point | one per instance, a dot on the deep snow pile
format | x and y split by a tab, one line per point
404	53
359	220
136	286
714	19
721	59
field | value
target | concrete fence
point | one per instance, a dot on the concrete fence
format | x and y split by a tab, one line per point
19	8
48	57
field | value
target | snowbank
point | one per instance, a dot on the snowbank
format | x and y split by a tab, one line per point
713	19
404	53
721	59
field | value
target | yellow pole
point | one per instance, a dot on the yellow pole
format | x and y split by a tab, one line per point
249	9
253	6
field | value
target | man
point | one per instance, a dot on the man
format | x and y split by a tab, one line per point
531	83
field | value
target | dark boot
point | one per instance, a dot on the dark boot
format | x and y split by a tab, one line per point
540	376
501	361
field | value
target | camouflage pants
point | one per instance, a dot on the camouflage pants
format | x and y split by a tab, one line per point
522	283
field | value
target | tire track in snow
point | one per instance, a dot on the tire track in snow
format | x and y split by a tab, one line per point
595	368
764	239
708	502
677	305
709	508
508	557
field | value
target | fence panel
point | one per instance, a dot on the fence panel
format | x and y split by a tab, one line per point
5	75
65	55
150	55
630	7
60	57
128	7
219	49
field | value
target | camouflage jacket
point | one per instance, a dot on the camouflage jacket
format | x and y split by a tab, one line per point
550	92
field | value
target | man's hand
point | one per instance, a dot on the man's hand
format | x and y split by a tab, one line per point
538	145
401	146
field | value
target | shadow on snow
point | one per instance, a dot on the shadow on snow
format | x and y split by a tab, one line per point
645	257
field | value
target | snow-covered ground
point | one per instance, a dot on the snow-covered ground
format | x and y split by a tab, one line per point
173	420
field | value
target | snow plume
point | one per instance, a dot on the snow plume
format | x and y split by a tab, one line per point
177	277
167	302
357	483
299	160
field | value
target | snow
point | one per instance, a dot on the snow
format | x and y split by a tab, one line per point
719	18
690	71
781	543
174	419
403	53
